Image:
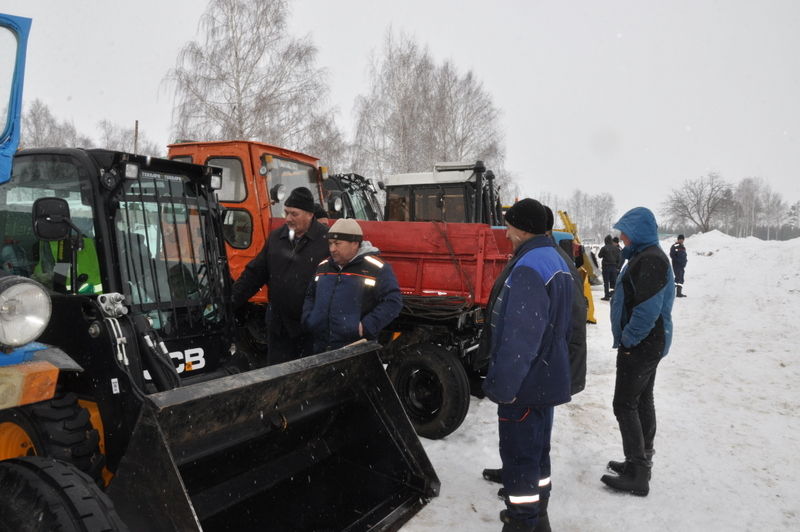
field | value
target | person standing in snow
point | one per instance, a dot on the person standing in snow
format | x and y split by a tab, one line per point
529	370
610	255
678	255
641	323
286	265
354	294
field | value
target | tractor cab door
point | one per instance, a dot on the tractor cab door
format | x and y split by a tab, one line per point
13	43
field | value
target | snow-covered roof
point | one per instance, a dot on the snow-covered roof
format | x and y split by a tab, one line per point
429	178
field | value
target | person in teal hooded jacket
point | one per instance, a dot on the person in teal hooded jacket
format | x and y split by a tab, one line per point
641	323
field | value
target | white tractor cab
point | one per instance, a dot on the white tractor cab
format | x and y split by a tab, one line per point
452	192
13	43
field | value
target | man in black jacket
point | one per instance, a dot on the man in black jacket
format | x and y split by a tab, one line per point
286	264
610	254
354	293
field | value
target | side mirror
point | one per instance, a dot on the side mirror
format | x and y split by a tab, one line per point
381	184
51	219
277	193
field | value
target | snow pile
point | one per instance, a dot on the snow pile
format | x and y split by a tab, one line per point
726	397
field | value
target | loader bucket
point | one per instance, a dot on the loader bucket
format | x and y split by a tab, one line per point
321	443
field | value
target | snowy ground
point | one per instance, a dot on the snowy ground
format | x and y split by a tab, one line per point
729	413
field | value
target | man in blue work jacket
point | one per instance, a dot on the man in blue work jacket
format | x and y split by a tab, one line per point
529	370
354	293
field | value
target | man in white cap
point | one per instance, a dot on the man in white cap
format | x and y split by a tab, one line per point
354	294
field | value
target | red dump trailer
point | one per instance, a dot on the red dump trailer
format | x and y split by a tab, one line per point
446	272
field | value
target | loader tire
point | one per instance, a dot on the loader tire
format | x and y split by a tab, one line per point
59	428
43	494
433	388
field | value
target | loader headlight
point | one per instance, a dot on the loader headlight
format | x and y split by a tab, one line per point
24	310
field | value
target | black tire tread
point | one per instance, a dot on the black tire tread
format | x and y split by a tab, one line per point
453	377
48	494
63	430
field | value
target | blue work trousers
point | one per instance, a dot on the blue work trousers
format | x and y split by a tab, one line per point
525	452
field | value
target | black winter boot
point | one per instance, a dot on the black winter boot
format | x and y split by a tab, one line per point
619	467
679	290
513	525
543	523
493	475
634	480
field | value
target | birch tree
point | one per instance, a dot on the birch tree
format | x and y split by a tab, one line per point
115	137
417	113
41	129
248	78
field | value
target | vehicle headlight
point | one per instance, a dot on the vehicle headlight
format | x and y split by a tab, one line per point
338	204
24	310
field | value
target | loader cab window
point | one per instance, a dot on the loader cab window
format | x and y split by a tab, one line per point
233	185
162	228
290	174
50	263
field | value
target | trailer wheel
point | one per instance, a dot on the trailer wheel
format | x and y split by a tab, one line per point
43	494
433	387
59	428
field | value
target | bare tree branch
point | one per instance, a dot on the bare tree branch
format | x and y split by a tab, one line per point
417	113
249	79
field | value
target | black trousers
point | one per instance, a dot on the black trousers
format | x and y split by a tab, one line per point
634	406
609	279
282	346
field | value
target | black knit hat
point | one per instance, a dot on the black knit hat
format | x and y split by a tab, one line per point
528	215
680	237
319	212
301	198
551	221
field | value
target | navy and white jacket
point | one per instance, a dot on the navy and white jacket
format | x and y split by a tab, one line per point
530	326
364	291
641	308
678	255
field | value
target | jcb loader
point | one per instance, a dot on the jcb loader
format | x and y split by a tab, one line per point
136	410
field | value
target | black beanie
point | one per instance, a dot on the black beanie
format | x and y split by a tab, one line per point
680	237
528	215
551	221
319	212
301	198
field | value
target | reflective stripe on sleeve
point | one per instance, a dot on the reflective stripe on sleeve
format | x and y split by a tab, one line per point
544	482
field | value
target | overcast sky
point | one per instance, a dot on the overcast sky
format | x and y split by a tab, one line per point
628	97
